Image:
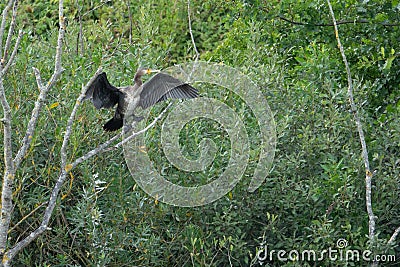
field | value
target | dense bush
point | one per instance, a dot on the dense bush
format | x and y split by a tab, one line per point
315	193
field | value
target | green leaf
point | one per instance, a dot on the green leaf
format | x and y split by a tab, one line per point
388	63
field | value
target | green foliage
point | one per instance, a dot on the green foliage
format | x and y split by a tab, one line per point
315	193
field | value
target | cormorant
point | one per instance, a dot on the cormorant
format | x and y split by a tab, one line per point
160	87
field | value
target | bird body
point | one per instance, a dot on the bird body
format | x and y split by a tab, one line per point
160	87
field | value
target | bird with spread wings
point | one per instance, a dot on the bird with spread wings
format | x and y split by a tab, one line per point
159	88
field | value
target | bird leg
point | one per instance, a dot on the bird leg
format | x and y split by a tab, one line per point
128	127
137	118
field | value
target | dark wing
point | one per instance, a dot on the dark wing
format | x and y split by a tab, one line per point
102	93
163	86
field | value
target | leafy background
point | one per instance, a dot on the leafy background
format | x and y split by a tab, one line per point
315	192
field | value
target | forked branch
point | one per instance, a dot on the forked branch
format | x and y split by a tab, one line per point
12	164
66	168
44	89
72	118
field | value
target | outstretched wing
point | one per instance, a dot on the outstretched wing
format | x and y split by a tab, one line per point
163	86
102	93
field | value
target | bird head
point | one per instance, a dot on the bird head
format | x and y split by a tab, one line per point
144	71
140	72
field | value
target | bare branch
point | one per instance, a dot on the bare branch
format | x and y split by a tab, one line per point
11	30
26	142
130	21
10	254
12	165
38	77
101	148
191	32
134	134
3	25
60	181
9	169
66	168
72	117
106	144
394	235
368	173
97	7
61	32
79	43
43	89
14	53
63	175
27	216
359	21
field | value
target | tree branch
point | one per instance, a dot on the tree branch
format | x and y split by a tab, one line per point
10	30
44	89
66	168
61	32
368	173
27	216
14	52
130	21
394	236
95	151
359	21
10	254
3	25
10	164
72	118
9	168
191	32
101	148
134	134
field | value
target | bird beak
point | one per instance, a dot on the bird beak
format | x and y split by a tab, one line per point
148	71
